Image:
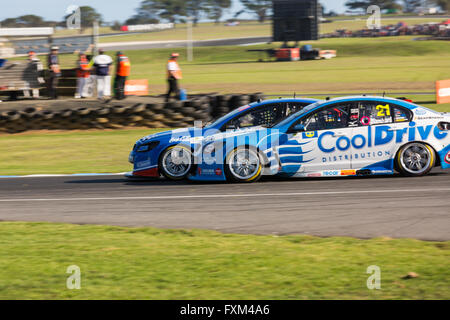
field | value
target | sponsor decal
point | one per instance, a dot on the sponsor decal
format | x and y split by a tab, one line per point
348	172
381	171
314	175
377	136
143	164
244	108
331	173
136	87
206	171
309	135
218	172
421	112
447	158
179	139
444	92
365	121
360	155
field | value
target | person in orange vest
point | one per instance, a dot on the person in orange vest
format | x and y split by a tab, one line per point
122	72
83	75
173	75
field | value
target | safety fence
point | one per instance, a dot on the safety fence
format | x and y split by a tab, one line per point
120	114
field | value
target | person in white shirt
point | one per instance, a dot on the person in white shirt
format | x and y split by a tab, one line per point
173	75
102	65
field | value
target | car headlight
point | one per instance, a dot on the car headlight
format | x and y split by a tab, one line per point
147	147
143	148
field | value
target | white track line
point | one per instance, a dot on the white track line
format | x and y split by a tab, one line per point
56	175
218	196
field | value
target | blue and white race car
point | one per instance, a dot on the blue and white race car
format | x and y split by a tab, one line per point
351	136
151	155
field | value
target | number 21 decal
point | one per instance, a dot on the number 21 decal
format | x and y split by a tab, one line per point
383	111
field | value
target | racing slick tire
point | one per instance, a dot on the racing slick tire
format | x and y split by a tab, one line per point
243	165
415	159
176	162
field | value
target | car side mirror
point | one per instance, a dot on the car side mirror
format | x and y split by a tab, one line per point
297	128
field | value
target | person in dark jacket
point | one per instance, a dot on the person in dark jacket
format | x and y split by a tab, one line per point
54	73
122	72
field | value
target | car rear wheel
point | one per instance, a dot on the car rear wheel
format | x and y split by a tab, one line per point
176	162
243	164
415	159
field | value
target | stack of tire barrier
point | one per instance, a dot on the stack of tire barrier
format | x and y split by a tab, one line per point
223	104
175	114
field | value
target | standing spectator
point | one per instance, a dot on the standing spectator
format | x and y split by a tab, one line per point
32	57
173	75
54	72
83	74
37	65
102	65
122	72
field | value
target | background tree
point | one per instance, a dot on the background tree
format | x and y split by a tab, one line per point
195	9
364	4
261	8
444	4
29	20
216	8
171	10
88	16
145	14
411	5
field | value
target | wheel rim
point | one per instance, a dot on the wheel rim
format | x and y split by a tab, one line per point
177	162
416	158
244	164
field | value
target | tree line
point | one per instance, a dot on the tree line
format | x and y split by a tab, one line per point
178	11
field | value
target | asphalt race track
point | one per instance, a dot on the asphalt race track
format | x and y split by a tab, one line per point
141	45
395	207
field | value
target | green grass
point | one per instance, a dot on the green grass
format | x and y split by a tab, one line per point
68	152
147	263
362	65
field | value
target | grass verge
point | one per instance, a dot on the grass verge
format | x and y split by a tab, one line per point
103	151
147	263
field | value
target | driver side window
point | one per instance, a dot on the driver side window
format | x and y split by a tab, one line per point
332	117
264	116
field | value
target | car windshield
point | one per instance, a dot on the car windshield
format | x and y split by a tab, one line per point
305	110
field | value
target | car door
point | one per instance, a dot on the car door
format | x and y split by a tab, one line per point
378	127
320	142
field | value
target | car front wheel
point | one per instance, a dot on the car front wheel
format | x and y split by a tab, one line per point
415	159
176	162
